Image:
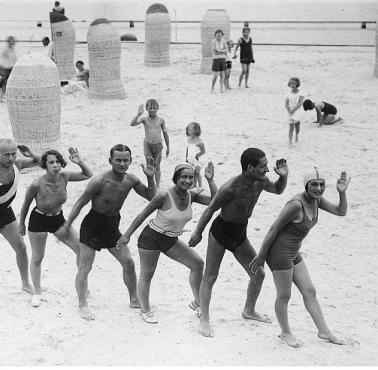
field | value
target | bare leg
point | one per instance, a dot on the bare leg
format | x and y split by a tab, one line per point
157	160
214	80
297	129
197	175
303	281
330	119
10	233
244	255
180	252
71	239
86	258
123	256
148	262
246	75
243	65
221	80
291	130
214	256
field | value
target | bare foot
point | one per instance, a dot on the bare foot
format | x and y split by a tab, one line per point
85	313
205	329
36	300
291	340
331	338
256	316
134	303
246	86
27	288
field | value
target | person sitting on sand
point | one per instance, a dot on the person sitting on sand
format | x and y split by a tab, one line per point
99	228
161	234
236	199
153	127
325	112
281	246
57	8
83	73
50	193
10	167
220	49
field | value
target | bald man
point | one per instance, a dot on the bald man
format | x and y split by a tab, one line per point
10	168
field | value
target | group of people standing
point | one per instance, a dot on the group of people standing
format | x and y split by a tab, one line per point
99	229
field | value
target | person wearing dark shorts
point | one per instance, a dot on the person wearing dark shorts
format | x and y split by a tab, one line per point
325	112
281	245
230	45
161	235
219	47
236	199
50	193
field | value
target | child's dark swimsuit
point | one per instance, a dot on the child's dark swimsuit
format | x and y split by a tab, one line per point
246	51
228	234
329	108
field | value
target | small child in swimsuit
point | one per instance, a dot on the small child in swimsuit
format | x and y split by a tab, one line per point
325	112
230	45
293	103
153	127
194	150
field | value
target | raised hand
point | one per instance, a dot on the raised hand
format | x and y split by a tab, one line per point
343	182
140	109
122	241
74	155
281	168
209	171
25	150
149	169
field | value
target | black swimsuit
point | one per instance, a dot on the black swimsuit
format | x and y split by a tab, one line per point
329	108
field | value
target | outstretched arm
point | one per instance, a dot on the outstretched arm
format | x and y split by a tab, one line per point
282	171
137	120
166	137
32	161
341	208
237	47
30	194
85	173
209	175
141	189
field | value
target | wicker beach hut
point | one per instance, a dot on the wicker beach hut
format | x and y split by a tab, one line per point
104	48
376	52
212	20
63	37
157	36
33	100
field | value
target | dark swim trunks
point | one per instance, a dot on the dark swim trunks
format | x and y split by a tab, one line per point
6	216
100	231
41	223
228	234
153	240
219	65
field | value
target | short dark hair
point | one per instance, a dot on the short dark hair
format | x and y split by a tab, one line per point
57	3
58	156
296	79
308	104
251	156
196	128
246	29
219	31
79	61
45	39
153	102
119	148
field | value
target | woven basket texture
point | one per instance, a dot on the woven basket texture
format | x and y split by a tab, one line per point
104	48
212	20
376	52
33	100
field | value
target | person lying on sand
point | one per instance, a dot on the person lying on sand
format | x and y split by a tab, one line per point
325	112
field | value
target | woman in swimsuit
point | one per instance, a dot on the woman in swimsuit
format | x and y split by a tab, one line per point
161	234
49	192
280	249
246	54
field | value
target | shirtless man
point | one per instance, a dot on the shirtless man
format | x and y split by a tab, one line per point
153	126
9	173
236	199
99	228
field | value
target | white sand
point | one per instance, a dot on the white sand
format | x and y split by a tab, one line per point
341	253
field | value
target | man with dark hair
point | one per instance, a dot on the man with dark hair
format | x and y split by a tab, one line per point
99	228
236	199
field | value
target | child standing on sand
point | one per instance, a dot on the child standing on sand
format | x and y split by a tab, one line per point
230	45
293	103
219	47
325	112
246	54
194	150
153	127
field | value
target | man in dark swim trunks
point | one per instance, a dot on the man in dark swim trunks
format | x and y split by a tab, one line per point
236	199
99	228
9	173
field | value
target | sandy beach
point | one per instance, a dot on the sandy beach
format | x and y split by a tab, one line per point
340	253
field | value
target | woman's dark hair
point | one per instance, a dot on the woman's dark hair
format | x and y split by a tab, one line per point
58	156
296	79
218	31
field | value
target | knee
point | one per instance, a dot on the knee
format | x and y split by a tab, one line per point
37	260
198	266
283	297
85	266
210	278
128	264
259	276
309	292
146	275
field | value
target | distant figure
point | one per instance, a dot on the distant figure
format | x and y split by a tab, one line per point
293	103
220	49
8	59
230	45
325	112
57	8
48	48
153	127
194	150
83	74
246	54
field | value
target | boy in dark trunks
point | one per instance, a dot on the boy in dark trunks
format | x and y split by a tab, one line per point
10	168
236	199
153	127
99	228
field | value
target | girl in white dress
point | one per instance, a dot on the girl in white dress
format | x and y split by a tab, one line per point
293	103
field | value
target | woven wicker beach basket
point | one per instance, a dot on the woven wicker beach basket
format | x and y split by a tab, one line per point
376	52
212	20
157	36
104	48
33	99
63	36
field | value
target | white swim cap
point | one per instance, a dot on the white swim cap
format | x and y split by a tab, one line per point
313	174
